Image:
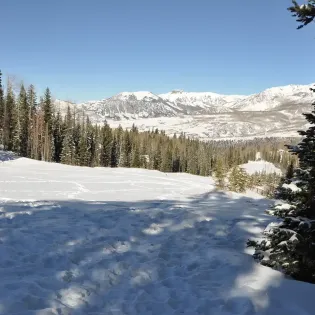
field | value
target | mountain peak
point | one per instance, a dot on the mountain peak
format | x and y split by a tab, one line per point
177	91
140	95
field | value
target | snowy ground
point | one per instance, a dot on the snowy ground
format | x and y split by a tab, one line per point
224	126
124	241
261	166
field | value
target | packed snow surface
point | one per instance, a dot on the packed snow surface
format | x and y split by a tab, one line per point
76	240
253	167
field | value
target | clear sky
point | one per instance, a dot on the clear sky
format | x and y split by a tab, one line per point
92	49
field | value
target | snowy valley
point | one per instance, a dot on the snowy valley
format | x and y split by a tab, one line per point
275	112
91	241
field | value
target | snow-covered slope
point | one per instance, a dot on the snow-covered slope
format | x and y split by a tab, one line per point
204	103
62	106
276	97
129	105
84	241
260	167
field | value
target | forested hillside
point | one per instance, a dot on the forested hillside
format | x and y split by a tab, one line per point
33	128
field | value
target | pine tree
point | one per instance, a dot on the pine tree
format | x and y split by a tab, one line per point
90	139
290	171
106	145
58	131
48	110
1	110
83	152
68	149
125	159
97	147
157	158
305	13
24	110
32	135
175	159
192	160
220	173
119	144
238	180
10	118
290	244
114	153
166	160
135	157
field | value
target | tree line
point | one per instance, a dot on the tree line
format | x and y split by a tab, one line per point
34	128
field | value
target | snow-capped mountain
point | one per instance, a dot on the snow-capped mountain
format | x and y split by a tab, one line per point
276	97
274	112
131	105
202	102
63	105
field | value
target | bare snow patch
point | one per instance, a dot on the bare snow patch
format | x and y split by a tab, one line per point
253	167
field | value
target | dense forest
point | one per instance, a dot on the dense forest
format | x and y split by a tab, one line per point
33	128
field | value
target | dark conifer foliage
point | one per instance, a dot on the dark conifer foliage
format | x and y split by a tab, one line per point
289	244
304	13
1	108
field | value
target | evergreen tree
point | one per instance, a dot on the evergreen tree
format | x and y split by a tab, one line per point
10	119
290	244
114	153
83	151
91	143
135	156
125	159
58	131
16	129
24	118
97	147
106	145
32	132
238	180
68	149
305	13
1	109
220	173
290	171
48	110
166	160
192	160
176	160
157	157
119	144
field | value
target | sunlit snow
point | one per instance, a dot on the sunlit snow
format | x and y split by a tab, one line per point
76	240
261	166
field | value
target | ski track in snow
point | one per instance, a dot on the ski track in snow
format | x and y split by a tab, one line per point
86	241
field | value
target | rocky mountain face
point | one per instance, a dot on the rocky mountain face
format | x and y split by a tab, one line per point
274	112
132	106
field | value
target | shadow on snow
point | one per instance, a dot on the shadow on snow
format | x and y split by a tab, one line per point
144	257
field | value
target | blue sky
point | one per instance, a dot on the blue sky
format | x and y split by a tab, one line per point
93	49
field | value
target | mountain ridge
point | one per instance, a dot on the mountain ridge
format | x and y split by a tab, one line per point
206	115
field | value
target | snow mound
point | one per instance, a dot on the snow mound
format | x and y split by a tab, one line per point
253	167
7	156
292	186
84	241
